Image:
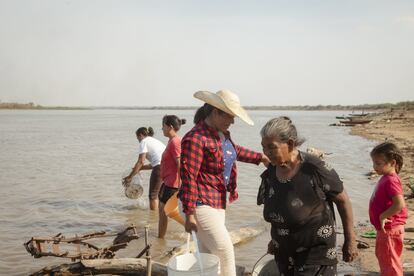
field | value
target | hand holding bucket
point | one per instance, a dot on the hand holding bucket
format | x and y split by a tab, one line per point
171	209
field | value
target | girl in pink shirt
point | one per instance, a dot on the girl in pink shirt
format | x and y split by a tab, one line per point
170	167
387	211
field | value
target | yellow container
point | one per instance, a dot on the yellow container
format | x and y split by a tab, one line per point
171	209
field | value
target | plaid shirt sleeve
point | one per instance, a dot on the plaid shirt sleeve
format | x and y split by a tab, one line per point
243	155
191	159
247	155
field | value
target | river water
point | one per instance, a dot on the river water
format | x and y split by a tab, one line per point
60	172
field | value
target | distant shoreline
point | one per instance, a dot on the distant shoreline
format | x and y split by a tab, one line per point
409	105
32	106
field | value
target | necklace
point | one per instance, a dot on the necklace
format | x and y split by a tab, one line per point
290	169
288	175
283	180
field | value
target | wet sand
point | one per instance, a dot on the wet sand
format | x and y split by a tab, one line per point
396	126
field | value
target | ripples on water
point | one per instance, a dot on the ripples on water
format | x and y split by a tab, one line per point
60	172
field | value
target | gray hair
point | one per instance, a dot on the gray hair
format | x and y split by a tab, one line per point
281	129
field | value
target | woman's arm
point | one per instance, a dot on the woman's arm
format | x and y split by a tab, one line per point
139	165
398	204
190	163
191	159
265	160
146	167
344	206
177	160
249	156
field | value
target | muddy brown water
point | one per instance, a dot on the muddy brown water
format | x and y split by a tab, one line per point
60	172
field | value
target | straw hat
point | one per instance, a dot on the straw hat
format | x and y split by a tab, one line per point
226	101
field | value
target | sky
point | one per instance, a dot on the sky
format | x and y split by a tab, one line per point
158	53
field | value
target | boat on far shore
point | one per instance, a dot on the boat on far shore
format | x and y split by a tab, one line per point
353	119
362	114
351	122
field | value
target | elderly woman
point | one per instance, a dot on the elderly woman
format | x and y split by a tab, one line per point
297	191
208	173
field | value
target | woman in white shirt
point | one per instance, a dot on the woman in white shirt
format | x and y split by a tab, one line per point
151	149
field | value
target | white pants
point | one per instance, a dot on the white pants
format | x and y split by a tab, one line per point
214	238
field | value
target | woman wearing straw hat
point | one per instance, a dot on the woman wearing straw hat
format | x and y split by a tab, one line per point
151	149
208	173
170	167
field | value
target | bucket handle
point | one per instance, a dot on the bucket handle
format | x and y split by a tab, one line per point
254	267
188	243
197	252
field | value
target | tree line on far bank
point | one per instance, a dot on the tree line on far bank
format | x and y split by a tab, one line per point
407	105
34	106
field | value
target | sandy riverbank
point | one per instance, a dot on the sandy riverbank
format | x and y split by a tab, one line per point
396	126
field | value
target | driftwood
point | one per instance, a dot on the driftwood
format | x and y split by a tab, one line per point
124	266
134	266
317	152
411	188
76	247
239	236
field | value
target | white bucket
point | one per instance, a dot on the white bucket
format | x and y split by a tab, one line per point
187	264
266	266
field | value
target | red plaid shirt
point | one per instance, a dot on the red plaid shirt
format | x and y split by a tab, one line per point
202	168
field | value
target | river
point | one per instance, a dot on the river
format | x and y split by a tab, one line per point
60	172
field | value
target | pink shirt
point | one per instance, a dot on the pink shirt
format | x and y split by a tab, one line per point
387	187
169	166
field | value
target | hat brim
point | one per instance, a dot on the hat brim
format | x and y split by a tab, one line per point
216	101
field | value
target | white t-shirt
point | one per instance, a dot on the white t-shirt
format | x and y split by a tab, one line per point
153	149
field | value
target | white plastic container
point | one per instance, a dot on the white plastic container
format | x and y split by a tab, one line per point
266	266
187	264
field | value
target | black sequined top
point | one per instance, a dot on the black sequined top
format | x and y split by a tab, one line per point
301	213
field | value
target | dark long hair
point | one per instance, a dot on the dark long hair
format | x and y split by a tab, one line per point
145	131
203	112
390	151
173	121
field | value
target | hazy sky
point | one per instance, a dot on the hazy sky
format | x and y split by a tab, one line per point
141	53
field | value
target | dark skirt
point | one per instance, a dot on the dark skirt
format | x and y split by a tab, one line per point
155	182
